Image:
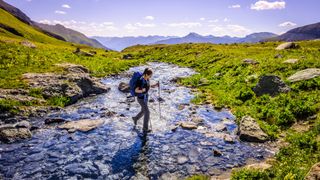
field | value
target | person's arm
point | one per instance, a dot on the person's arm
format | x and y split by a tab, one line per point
140	90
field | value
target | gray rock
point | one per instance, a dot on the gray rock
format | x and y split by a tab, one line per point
82	125
217	153
272	85
182	159
124	87
291	61
250	61
250	131
82	53
12	134
305	74
28	44
287	45
53	120
188	125
73	68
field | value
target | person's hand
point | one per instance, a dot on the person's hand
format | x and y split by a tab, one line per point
144	90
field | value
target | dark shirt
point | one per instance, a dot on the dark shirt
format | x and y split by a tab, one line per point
142	83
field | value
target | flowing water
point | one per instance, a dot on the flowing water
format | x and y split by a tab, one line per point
116	150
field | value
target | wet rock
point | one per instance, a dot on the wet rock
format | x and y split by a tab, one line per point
287	45
124	87
216	153
73	68
169	176
291	61
28	44
12	134
228	139
82	125
220	127
314	173
139	176
23	124
54	120
249	130
188	125
182	159
181	107
272	85
197	120
250	61
305	74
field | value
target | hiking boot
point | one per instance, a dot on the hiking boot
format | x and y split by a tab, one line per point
134	121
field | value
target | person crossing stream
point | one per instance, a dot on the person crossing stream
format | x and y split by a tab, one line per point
114	150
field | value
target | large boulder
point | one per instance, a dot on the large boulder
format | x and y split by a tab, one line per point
272	85
82	125
72	85
10	134
314	173
305	74
287	45
124	87
250	131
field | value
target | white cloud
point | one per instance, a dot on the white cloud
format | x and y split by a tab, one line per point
287	24
235	6
202	19
66	6
230	29
144	25
130	27
185	24
226	20
60	12
90	29
149	18
213	21
265	5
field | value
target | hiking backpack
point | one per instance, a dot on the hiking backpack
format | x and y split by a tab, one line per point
133	82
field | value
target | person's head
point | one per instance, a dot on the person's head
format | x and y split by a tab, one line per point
147	73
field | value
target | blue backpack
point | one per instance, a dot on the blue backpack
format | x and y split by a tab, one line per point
133	82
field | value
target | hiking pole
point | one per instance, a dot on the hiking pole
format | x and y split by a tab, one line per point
159	100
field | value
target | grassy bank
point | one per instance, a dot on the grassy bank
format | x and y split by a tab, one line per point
226	81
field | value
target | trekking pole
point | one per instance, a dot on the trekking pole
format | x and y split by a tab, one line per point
159	100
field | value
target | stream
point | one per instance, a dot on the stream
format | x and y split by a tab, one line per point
116	150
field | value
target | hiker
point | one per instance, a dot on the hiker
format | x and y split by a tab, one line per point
141	91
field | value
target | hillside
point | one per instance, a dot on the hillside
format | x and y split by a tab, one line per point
13	27
308	32
70	35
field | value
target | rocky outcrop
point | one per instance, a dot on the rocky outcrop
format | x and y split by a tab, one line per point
188	125
314	173
250	131
287	45
124	87
305	74
82	53
272	85
82	125
72	85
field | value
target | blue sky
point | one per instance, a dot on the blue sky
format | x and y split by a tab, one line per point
172	17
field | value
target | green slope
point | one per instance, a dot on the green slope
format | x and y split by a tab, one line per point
10	26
